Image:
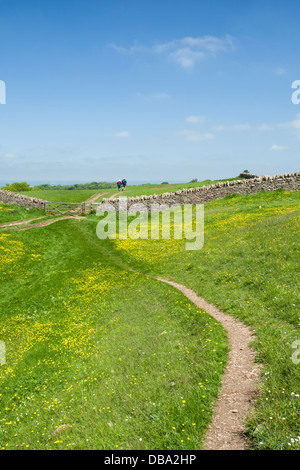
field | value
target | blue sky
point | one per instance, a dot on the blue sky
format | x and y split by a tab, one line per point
148	90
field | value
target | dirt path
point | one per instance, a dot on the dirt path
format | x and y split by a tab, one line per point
20	222
241	377
113	195
239	384
7	225
20	226
95	197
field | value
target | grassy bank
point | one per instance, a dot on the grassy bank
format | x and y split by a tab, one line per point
98	357
10	213
248	267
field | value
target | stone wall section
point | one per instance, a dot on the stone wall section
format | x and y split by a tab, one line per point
198	195
9	197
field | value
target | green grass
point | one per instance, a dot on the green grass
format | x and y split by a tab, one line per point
63	195
125	361
128	362
150	189
11	213
248	267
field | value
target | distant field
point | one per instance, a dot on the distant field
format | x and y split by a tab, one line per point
149	189
62	195
136	190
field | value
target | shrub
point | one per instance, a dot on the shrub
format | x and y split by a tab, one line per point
17	187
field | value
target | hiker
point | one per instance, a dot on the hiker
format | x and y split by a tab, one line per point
119	183
124	182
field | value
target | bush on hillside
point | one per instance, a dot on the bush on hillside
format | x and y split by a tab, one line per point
17	187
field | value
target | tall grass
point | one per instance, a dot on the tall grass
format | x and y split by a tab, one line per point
248	267
98	357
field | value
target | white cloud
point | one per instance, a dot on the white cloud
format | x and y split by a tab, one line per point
264	127
234	127
128	51
279	147
186	57
10	156
294	125
244	127
186	52
196	136
122	134
195	119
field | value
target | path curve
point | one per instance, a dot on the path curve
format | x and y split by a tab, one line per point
16	226
239	383
20	222
95	197
241	377
113	195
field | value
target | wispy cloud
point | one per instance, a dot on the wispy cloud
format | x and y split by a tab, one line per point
128	50
234	127
279	147
196	136
195	119
186	52
244	127
122	134
264	127
294	125
10	156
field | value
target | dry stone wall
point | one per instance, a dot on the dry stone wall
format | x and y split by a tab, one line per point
9	197
198	195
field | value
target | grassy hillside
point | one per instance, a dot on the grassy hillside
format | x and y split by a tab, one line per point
126	362
248	267
122	361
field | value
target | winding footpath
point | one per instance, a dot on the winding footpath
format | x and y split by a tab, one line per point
239	384
241	377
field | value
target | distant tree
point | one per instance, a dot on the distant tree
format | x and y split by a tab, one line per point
164	182
195	180
70	187
17	187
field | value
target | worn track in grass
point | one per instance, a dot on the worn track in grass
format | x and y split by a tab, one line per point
241	377
239	384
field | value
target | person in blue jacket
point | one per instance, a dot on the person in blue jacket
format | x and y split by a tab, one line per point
124	183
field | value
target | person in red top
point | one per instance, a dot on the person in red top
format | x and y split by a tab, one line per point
119	183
